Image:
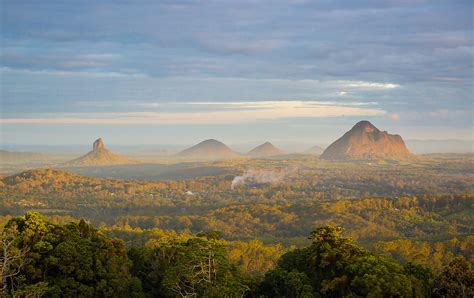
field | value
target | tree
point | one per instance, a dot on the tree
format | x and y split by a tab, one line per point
69	260
281	283
203	269
337	267
12	258
456	280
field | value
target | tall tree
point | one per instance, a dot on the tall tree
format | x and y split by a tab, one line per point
334	266
456	280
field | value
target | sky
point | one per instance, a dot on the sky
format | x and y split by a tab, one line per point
178	72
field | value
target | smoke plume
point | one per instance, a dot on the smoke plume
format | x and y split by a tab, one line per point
260	176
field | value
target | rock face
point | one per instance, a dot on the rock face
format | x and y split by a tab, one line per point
366	142
265	150
208	150
99	156
98	144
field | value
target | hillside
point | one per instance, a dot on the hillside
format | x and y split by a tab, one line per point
265	150
366	142
46	177
99	156
208	150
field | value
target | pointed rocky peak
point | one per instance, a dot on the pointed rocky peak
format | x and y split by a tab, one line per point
99	156
98	144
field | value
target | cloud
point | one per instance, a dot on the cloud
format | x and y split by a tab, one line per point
74	73
370	85
272	104
133	57
245	113
239	45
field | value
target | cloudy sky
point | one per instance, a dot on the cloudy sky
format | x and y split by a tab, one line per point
177	71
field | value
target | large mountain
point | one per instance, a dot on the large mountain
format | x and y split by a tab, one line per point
208	150
366	142
99	156
265	150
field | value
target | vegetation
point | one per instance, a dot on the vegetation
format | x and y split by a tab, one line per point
334	266
408	231
63	260
77	260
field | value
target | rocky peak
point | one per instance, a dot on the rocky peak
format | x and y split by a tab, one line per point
98	144
365	126
366	142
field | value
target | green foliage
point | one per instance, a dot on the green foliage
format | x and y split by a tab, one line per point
76	260
70	260
198	266
420	215
456	280
334	266
281	283
434	255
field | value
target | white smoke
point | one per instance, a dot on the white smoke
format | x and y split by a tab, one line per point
260	176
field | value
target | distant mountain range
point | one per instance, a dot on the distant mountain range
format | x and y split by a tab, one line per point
363	142
366	142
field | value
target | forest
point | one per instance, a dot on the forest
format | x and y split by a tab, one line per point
40	258
272	228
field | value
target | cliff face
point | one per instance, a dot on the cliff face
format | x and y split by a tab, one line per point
98	144
366	142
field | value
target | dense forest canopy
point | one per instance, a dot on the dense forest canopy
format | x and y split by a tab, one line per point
40	258
408	229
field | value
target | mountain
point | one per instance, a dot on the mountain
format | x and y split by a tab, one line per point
366	142
316	150
99	156
265	150
208	150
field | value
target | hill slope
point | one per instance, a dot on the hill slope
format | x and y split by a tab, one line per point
99	156
208	150
366	142
265	150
